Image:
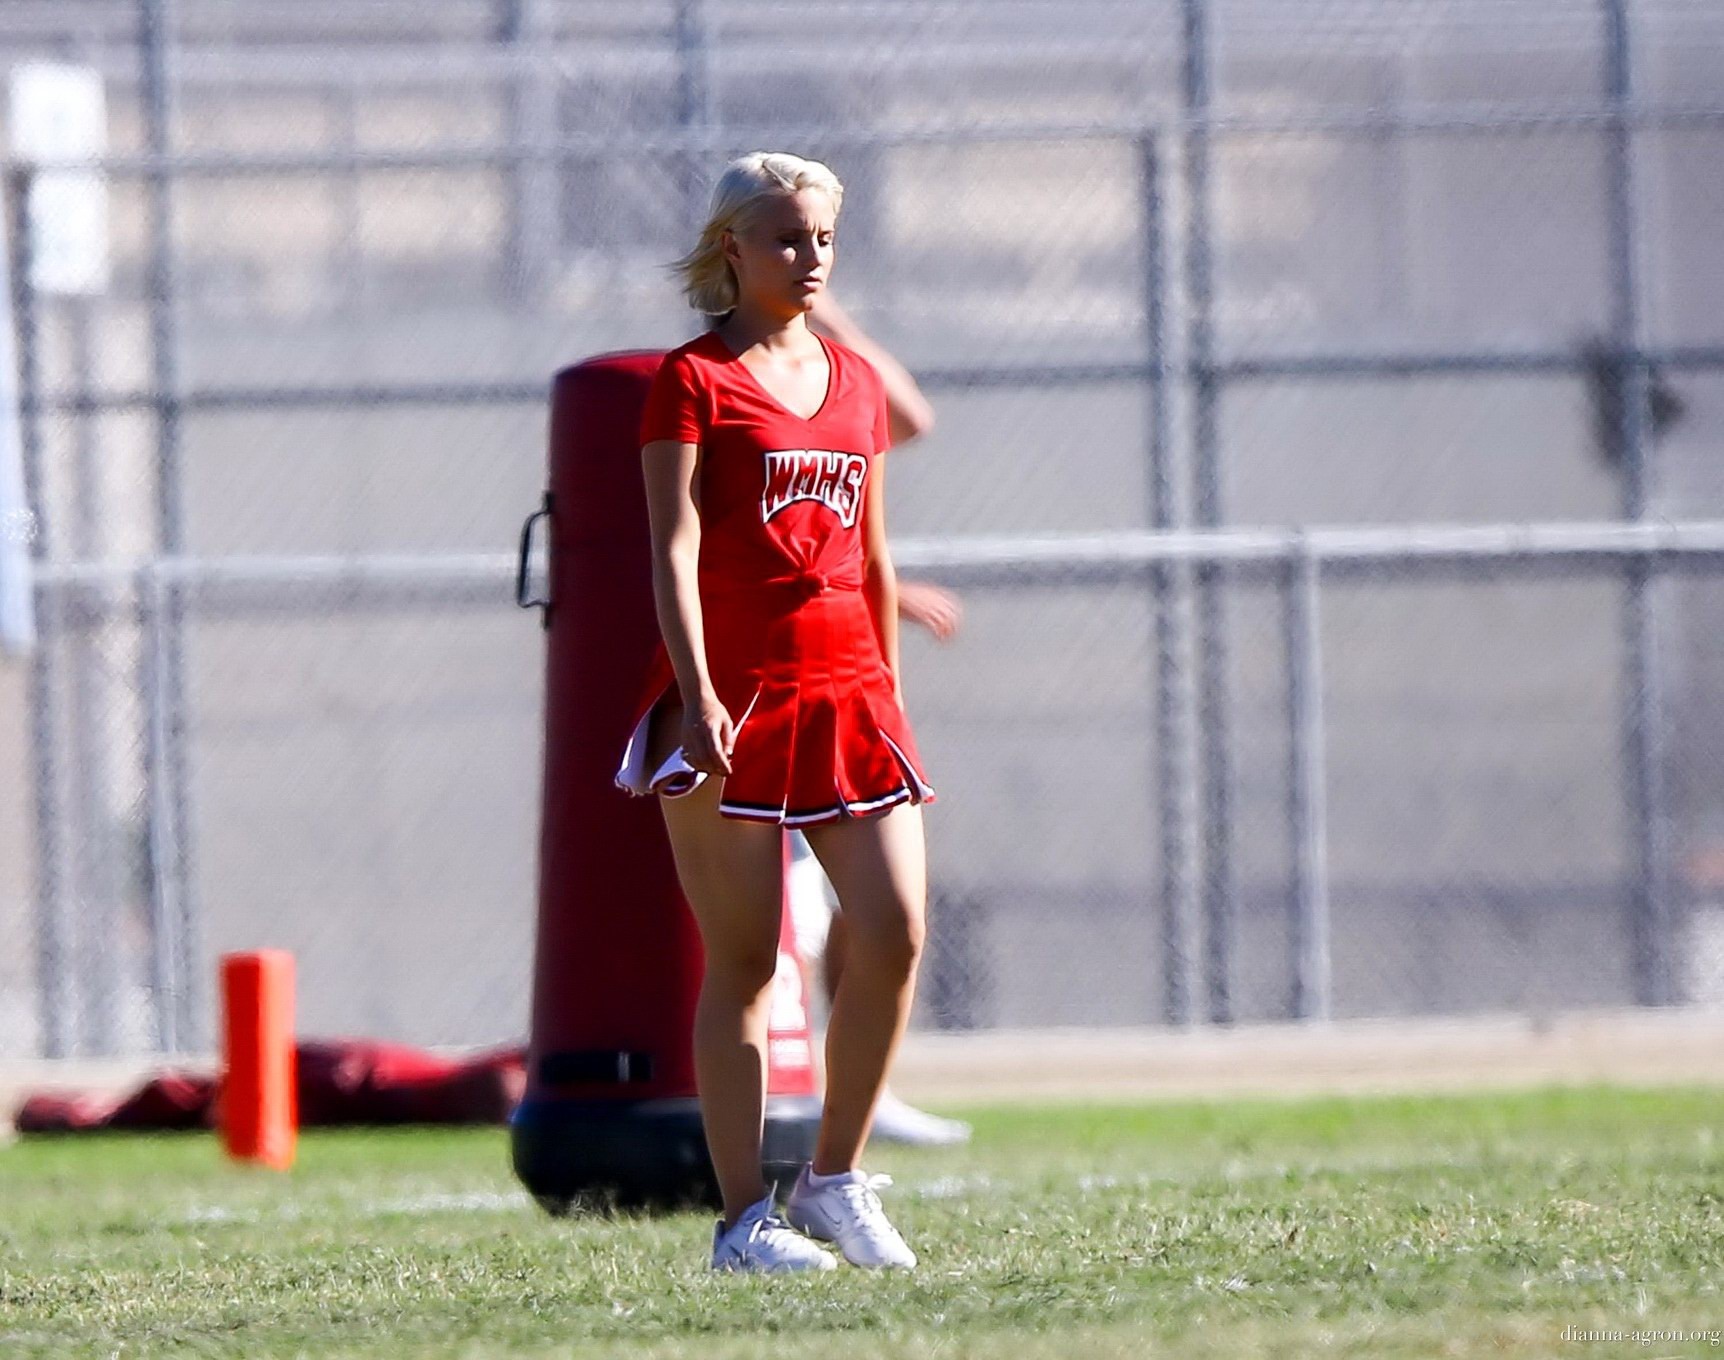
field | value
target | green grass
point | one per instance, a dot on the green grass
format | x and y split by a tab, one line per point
1383	1227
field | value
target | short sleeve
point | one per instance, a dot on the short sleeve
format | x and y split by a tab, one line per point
675	404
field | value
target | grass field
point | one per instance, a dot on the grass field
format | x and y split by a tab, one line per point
1371	1226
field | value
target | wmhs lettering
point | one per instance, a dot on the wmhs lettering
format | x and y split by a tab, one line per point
833	479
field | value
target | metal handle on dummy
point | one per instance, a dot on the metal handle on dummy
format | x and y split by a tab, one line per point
541	603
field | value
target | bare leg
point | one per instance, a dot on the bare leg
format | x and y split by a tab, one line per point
733	876
879	867
832	959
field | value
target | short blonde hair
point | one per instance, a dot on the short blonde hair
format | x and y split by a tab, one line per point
707	278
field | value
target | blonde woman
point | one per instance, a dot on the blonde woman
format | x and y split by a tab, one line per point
774	700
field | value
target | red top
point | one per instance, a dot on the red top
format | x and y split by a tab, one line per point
781	498
792	646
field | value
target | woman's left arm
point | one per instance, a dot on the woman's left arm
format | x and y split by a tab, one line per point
880	579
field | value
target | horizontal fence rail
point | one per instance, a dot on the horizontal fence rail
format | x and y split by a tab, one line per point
88	590
1485	119
934	379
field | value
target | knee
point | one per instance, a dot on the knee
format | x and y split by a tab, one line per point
894	939
742	970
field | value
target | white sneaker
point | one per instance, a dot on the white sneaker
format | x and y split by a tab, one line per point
761	1240
896	1122
849	1213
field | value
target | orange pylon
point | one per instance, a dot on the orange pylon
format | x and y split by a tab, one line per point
259	1103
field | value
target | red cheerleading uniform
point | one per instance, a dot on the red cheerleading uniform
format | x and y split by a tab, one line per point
791	646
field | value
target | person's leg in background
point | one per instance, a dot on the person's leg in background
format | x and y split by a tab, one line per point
821	937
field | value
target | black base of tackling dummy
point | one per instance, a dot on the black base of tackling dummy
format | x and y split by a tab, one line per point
593	1154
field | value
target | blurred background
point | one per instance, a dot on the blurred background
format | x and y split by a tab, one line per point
1330	455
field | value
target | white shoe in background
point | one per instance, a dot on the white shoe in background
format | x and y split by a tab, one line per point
896	1122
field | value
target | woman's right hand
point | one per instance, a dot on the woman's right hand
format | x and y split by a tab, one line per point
708	736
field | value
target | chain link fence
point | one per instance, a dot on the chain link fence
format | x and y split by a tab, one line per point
1330	453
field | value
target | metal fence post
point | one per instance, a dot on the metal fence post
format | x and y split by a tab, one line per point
97	863
1212	578
1644	746
167	951
525	31
695	108
1307	793
56	1002
1175	709
349	254
18	510
174	898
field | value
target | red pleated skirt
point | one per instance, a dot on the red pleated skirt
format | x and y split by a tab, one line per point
819	734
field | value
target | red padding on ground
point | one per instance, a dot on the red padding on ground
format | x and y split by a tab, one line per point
341	1082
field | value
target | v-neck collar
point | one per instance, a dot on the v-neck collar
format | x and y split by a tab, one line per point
831	377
